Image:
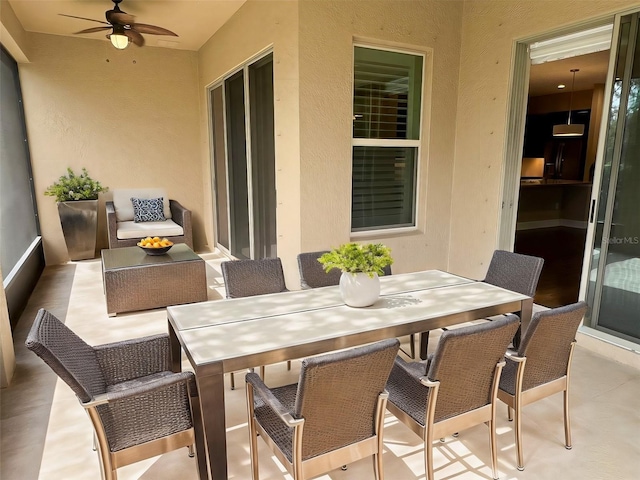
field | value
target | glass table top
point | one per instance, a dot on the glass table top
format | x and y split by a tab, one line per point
136	257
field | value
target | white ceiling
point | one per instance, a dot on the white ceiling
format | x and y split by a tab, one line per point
545	77
195	21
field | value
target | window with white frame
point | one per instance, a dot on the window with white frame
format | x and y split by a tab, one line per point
387	96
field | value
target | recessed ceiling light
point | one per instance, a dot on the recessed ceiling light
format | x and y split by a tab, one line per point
561	86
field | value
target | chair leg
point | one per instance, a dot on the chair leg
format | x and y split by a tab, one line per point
567	423
378	470
428	459
253	435
412	347
494	448
509	413
518	429
192	452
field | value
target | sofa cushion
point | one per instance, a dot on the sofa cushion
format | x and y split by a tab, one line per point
131	229
124	207
147	210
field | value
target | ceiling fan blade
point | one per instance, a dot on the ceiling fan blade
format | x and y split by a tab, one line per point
135	37
120	18
93	30
83	18
151	29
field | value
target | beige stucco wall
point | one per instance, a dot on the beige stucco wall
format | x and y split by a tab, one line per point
256	27
130	117
328	30
489	31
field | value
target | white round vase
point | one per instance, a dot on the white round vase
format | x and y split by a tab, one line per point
359	289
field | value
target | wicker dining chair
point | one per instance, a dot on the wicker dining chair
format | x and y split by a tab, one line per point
247	278
456	388
541	366
139	408
333	416
312	274
512	271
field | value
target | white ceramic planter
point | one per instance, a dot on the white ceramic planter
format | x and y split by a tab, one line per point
359	289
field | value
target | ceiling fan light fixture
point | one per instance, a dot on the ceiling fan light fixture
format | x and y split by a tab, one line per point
119	40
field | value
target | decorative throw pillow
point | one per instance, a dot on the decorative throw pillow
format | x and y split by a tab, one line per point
148	210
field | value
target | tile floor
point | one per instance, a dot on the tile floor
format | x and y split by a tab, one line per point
46	435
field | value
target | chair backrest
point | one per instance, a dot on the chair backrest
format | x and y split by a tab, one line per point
67	354
514	271
246	278
547	343
464	363
124	207
338	394
312	274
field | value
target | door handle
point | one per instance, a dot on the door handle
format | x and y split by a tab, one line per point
593	210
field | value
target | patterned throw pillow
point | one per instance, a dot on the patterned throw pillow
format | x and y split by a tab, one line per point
148	210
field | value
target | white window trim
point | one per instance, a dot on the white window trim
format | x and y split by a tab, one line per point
367	142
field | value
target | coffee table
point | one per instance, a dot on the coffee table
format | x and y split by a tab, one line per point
134	280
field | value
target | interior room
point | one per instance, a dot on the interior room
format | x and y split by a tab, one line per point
557	172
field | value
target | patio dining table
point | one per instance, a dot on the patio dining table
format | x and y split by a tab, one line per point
228	335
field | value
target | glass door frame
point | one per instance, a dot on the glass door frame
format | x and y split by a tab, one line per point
590	325
514	135
244	68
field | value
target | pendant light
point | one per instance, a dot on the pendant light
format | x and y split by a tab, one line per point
569	129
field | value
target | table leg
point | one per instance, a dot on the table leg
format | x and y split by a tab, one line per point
175	350
211	394
525	314
424	345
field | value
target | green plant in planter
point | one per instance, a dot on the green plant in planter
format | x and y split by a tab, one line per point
72	187
356	258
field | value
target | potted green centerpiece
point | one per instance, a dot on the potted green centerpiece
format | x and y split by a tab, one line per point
77	197
361	265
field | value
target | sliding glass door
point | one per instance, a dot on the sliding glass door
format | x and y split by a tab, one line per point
613	283
243	164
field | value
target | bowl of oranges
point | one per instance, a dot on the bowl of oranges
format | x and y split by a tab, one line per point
155	245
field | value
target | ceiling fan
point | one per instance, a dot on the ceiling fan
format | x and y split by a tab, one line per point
123	26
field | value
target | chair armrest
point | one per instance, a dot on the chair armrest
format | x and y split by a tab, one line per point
112	224
129	359
154	386
260	389
513	356
178	213
182	217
